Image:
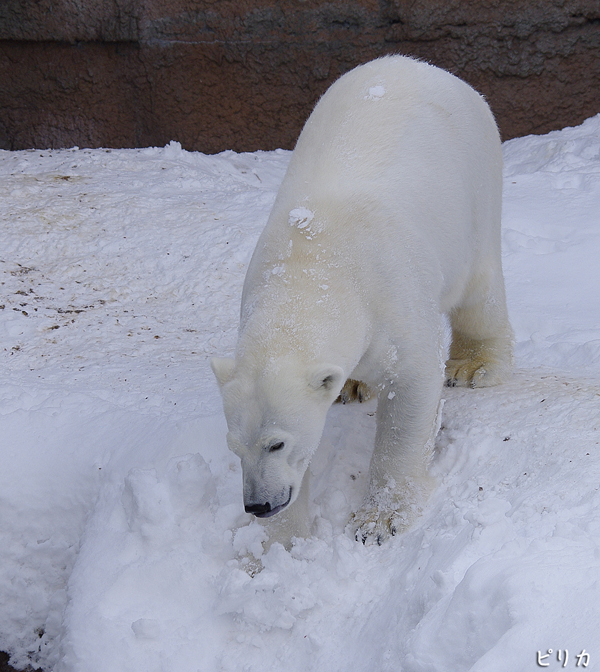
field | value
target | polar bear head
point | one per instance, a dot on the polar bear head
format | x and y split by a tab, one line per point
275	416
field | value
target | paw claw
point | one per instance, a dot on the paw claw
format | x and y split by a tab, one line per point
375	525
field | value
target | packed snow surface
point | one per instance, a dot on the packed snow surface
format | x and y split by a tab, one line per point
123	542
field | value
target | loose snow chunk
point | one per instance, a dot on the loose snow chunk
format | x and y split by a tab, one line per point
146	628
375	92
301	217
172	151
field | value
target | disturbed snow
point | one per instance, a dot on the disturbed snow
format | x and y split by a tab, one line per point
123	542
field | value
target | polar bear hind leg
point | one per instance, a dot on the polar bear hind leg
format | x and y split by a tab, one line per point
482	339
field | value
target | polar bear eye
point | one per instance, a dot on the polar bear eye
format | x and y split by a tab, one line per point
276	446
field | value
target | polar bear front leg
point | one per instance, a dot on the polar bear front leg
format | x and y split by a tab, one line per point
408	411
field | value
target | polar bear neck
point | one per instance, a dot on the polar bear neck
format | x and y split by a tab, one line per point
299	302
298	325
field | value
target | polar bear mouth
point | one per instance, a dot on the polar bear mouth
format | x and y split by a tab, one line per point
265	510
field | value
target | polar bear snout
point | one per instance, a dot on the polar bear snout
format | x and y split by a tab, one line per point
267	509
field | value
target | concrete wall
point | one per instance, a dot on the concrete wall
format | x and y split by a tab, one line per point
244	74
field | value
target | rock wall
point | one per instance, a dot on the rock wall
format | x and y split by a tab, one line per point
245	74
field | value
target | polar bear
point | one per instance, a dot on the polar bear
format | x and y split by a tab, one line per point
388	218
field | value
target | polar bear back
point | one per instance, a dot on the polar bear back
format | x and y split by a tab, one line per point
399	166
391	119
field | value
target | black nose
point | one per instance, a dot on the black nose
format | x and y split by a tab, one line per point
258	509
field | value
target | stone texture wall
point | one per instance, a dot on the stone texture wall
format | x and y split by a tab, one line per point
245	74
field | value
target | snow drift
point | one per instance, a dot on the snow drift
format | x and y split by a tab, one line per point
123	542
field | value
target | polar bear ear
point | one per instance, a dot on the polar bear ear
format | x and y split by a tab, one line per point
327	378
222	368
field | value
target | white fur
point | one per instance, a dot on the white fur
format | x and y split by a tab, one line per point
387	218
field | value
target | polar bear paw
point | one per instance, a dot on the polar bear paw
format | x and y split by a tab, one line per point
473	373
374	525
466	373
354	390
478	363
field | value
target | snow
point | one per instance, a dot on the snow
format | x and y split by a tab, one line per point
301	217
375	92
123	542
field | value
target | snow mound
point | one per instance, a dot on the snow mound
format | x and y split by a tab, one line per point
123	542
